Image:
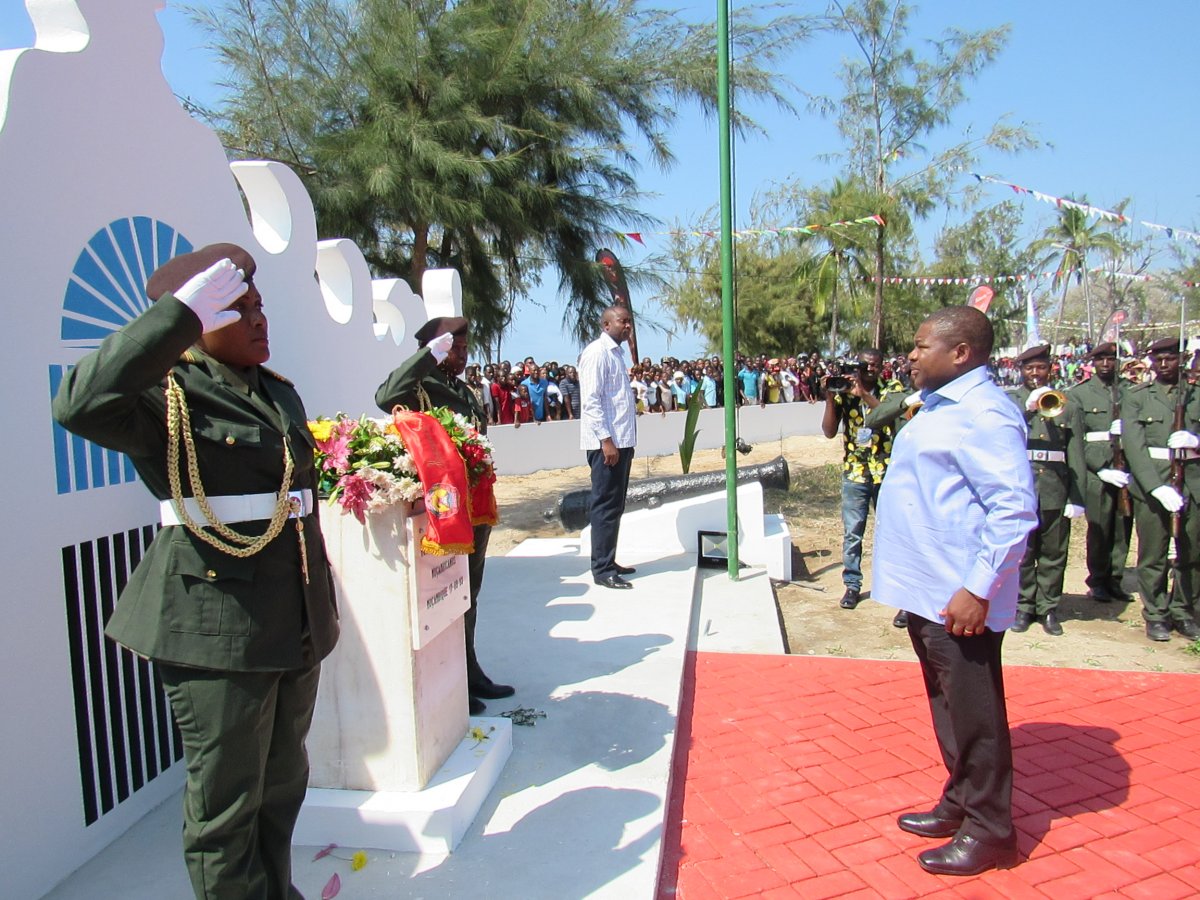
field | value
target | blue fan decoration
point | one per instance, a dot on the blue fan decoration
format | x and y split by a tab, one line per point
107	289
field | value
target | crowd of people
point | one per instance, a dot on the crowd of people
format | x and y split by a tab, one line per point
520	392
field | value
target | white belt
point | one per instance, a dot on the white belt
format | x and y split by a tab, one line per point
1164	453
1097	436
1047	455
234	508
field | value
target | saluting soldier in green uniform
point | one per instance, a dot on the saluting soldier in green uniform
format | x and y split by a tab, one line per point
430	378
234	599
1056	455
1107	530
1148	416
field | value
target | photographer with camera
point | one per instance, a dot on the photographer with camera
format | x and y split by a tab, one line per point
851	390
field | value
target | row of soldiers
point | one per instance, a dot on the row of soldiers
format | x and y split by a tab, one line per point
1105	450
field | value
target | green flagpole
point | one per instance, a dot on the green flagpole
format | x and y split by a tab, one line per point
729	343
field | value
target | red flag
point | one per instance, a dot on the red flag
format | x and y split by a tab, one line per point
1112	326
981	298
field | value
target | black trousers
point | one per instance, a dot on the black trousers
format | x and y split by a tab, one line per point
965	685
483	534
609	484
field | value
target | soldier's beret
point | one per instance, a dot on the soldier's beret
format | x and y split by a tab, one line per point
441	325
1108	348
175	273
1041	351
1165	345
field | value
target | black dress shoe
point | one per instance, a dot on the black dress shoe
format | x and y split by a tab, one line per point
614	581
1187	628
901	619
1158	631
1050	624
966	855
1119	593
851	598
1021	622
475	707
1100	595
489	690
929	824
625	570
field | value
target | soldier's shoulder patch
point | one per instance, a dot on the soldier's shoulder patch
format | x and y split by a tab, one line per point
189	357
1144	386
277	376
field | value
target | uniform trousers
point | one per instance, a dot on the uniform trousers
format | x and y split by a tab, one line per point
965	686
483	534
609	484
1154	539
1044	565
1107	536
247	773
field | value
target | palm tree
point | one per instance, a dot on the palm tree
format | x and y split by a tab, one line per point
1070	239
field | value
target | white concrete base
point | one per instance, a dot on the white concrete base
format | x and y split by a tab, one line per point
432	820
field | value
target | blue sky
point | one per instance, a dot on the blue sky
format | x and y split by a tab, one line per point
1107	85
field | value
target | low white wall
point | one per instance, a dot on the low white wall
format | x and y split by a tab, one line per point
555	445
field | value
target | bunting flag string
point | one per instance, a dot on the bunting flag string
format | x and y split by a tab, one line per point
639	236
1106	214
928	280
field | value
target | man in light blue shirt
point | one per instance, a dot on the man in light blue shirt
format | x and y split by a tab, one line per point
953	516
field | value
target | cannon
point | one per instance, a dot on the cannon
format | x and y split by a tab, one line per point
573	507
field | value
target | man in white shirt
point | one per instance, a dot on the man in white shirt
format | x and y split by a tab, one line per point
951	525
608	432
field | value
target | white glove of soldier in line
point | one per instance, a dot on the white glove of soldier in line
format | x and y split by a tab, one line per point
914	397
1115	477
210	293
1115	427
1183	440
1071	511
440	346
1032	403
1168	497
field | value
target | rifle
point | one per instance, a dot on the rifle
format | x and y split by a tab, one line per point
1181	385
1124	506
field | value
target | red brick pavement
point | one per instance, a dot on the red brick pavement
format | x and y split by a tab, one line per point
790	771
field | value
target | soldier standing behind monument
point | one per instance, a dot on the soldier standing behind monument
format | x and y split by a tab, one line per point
1108	530
430	378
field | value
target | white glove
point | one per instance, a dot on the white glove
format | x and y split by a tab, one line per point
1115	477
210	293
1183	440
914	397
1115	427
1168	497
1032	403
440	346
1071	511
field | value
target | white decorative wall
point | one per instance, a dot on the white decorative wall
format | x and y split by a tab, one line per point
103	177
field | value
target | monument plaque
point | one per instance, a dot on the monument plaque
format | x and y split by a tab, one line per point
440	587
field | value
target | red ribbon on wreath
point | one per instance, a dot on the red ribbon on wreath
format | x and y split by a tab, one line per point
448	498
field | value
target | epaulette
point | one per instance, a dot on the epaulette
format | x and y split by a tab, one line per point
1141	387
277	376
189	357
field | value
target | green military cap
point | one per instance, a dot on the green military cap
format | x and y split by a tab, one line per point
175	272
455	325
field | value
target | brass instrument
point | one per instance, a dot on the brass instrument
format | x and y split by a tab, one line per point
913	410
1052	404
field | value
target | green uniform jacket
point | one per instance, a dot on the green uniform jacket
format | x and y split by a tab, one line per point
1057	484
890	411
421	369
1148	418
189	603
1094	399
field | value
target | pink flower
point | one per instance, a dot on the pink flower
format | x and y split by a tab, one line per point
355	495
337	453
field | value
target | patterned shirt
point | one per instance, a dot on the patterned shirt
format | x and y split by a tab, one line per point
606	397
866	451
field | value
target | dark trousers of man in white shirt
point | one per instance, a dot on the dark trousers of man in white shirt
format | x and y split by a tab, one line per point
609	484
965	685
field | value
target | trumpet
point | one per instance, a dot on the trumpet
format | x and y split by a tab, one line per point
1052	404
913	410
